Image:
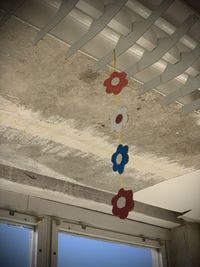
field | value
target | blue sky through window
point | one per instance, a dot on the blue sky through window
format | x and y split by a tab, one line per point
14	246
77	251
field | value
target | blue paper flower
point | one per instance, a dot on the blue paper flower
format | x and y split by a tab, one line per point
120	158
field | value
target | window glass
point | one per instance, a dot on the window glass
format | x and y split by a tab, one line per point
15	246
78	251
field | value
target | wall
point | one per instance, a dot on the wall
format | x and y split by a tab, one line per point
185	246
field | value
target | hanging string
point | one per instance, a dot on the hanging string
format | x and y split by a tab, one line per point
121	177
119	137
117	100
117	97
114	60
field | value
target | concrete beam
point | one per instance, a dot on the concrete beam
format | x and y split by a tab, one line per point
76	191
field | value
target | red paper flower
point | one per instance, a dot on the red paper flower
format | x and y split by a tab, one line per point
122	212
116	82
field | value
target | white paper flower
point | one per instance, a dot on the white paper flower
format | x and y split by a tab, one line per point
119	119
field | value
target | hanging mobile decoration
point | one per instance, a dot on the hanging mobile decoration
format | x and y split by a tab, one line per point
123	201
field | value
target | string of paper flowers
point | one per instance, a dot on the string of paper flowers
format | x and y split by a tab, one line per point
123	201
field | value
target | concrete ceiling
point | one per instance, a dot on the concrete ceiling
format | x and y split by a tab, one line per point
54	118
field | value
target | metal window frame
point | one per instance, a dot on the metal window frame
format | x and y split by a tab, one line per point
45	249
23	220
48	217
41	225
80	229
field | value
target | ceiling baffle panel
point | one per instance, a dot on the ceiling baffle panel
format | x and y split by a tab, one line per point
164	45
14	6
64	9
110	10
191	85
173	70
139	28
191	106
163	24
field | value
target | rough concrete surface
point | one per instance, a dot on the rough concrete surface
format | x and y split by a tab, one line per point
54	118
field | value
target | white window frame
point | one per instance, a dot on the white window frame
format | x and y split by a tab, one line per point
45	250
40	256
49	217
27	221
80	229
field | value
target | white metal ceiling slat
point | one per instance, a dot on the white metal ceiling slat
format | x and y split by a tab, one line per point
13	8
192	106
173	70
164	45
163	24
64	9
139	28
97	26
192	84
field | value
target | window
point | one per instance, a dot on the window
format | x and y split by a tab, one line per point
77	240
78	251
15	246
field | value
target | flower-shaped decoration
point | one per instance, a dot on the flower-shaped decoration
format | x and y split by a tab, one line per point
116	82
122	209
120	158
119	119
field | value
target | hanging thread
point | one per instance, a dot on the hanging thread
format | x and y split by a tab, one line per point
119	137
121	177
117	100
114	60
